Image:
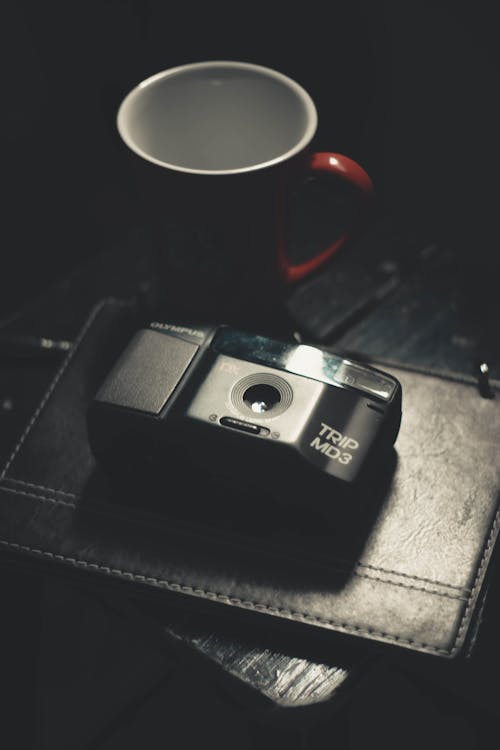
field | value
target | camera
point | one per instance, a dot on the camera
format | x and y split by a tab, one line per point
268	412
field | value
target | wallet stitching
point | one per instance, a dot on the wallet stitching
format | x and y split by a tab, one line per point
225	598
39	487
478	579
97	309
66	503
43	498
463	589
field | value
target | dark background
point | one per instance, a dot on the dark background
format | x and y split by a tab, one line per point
407	89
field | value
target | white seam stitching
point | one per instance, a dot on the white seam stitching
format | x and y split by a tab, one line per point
57	501
472	595
225	598
414	578
57	377
39	487
411	587
42	498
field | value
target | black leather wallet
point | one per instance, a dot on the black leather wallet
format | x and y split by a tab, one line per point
406	567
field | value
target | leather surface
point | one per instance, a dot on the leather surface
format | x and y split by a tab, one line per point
404	566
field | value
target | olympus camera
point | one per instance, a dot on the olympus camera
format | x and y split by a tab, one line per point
267	412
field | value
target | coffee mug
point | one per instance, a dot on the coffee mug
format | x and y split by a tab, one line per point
221	144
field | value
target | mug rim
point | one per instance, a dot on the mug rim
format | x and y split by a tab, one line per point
299	90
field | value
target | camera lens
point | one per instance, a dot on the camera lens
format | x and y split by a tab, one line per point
261	398
261	394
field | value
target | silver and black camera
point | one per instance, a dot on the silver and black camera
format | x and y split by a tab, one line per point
265	411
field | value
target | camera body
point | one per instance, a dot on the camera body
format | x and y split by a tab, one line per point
265	411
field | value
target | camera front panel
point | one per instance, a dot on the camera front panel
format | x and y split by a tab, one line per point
259	400
237	399
330	428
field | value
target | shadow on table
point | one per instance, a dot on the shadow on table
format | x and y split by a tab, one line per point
236	523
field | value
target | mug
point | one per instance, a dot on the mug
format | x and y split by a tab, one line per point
217	147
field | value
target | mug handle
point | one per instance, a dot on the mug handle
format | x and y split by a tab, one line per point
349	171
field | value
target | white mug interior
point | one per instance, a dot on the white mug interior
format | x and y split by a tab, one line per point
217	117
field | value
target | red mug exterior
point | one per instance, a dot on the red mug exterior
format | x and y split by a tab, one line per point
221	234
